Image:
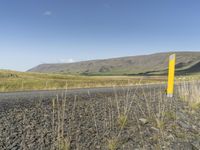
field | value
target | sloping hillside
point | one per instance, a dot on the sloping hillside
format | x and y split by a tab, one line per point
186	62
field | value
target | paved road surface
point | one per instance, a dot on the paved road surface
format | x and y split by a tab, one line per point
9	99
12	96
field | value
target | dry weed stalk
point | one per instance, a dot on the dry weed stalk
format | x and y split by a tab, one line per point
60	142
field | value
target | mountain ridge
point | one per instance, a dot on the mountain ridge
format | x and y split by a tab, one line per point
150	64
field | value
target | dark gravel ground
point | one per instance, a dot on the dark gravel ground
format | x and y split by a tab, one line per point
104	118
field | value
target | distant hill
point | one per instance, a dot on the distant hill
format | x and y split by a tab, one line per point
186	62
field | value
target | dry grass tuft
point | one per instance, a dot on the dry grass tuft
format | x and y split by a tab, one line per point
113	144
122	121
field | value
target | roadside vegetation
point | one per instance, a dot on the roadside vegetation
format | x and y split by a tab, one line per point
190	93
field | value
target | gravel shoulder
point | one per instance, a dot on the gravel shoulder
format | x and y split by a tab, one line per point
138	117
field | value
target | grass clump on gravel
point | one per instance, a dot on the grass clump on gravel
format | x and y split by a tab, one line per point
113	144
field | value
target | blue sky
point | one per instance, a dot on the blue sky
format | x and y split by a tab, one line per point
55	31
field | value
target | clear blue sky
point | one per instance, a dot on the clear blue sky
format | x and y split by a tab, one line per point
50	31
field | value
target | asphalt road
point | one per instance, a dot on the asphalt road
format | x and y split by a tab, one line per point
10	98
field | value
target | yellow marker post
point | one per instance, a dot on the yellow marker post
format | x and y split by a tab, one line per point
171	73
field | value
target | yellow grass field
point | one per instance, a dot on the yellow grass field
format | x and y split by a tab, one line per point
23	81
20	81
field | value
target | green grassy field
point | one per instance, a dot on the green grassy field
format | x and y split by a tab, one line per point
23	81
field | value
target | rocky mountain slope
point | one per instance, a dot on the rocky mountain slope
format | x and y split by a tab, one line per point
186	62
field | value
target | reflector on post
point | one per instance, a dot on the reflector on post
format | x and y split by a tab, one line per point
171	73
